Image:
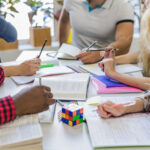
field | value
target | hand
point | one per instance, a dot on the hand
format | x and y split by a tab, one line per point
29	67
89	57
106	110
108	64
33	100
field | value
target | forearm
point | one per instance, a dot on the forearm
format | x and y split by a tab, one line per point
122	45
138	82
11	71
63	34
137	107
130	58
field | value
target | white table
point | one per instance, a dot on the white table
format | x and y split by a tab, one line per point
57	136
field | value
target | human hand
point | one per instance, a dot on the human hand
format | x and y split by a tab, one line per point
107	110
29	67
89	57
108	64
33	100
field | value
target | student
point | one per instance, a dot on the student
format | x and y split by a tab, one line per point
109	22
27	101
9	34
107	109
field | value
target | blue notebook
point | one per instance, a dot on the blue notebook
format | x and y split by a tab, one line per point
108	82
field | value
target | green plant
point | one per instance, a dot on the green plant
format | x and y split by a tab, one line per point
7	7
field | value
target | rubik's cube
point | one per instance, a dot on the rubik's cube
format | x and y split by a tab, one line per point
72	114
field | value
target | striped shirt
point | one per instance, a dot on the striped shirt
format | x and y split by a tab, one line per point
7	107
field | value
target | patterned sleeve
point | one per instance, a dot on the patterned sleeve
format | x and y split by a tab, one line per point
147	103
7	107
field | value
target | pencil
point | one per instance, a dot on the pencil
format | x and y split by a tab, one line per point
40	81
42	49
60	103
92	44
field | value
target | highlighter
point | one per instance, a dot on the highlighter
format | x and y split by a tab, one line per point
46	66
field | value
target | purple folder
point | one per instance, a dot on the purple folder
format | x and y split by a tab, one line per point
108	82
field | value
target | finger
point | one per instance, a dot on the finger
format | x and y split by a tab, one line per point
47	89
112	53
51	101
82	54
101	110
85	59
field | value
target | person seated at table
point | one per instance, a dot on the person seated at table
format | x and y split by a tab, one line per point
109	109
9	34
27	101
109	22
143	57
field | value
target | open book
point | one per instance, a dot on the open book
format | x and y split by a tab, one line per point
42	72
129	131
67	51
125	68
67	87
23	132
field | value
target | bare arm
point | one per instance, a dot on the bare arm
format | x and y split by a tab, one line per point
123	38
130	58
63	27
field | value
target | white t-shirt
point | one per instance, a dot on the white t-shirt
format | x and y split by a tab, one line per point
99	24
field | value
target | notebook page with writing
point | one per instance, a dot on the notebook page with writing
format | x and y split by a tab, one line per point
42	72
127	131
67	87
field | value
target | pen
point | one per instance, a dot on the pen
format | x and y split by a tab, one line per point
40	81
42	48
46	66
60	103
92	44
100	50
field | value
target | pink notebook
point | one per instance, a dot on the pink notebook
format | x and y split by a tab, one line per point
100	88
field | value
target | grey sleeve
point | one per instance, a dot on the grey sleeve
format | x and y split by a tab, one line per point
7	31
67	5
147	103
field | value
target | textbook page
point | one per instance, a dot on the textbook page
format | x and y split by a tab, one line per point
20	135
125	68
68	51
67	87
42	72
127	131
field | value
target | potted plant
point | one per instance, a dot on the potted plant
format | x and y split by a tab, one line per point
7	7
39	33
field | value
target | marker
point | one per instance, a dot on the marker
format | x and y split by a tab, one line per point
46	66
42	48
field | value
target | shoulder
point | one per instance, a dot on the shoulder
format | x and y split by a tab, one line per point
68	4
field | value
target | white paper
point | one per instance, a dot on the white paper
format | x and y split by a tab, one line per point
69	50
129	130
125	68
42	72
67	87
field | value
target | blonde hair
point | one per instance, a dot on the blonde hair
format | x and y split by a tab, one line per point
144	56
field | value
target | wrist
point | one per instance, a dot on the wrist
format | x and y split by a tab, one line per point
17	106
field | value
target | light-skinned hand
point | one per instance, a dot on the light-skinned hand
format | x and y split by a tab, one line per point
106	110
29	67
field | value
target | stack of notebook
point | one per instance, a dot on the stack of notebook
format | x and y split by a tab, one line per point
104	84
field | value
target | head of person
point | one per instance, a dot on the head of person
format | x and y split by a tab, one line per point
145	41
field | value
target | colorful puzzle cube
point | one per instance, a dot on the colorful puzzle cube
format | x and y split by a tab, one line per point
72	114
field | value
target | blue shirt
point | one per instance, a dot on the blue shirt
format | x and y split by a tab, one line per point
7	31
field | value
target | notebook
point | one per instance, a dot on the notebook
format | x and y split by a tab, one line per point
42	72
68	51
22	132
101	89
67	87
108	82
129	131
125	68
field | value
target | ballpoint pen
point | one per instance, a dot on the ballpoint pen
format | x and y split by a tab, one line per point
42	49
92	44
